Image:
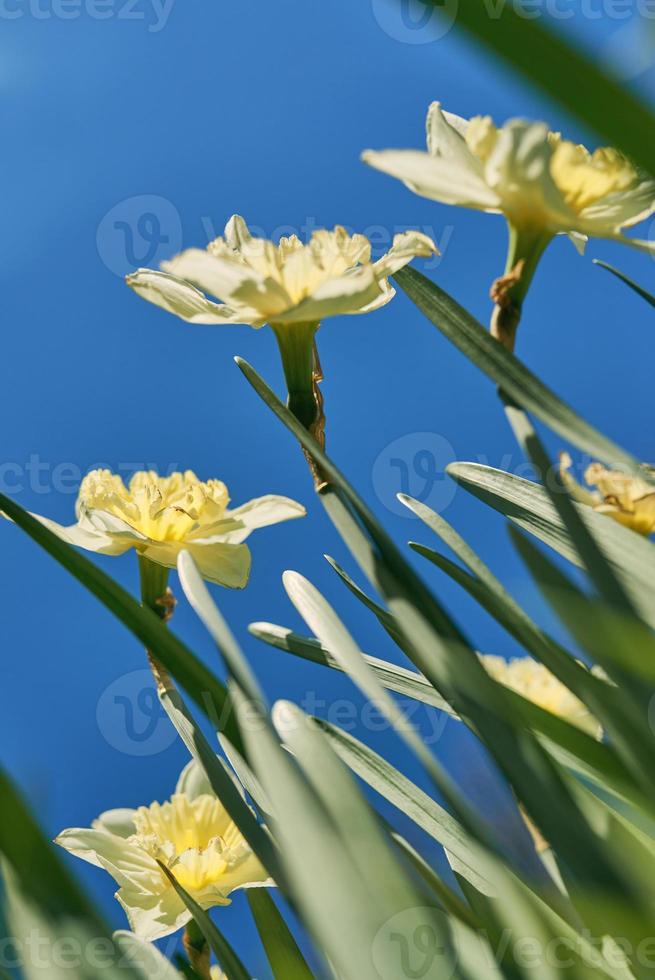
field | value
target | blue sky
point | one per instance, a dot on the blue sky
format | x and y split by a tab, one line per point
133	130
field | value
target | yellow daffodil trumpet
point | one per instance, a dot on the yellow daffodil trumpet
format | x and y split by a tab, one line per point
191	834
290	285
543	184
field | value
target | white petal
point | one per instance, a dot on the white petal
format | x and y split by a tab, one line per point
579	241
193	781
518	169
230	279
181	298
622	209
436	178
85	537
127	863
406	246
220	562
249	873
236	232
445	137
119	822
349	293
154	916
262	512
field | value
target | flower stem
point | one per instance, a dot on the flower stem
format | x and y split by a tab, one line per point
156	595
197	949
303	374
526	246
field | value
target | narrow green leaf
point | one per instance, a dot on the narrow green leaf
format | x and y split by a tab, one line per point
205	689
217	942
506	370
580	83
527	504
284	956
639	290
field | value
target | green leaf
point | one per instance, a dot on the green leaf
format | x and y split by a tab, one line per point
528	506
41	899
544	56
639	290
144	956
284	956
205	689
217	942
410	800
506	370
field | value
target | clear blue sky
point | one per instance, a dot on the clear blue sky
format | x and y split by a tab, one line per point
191	112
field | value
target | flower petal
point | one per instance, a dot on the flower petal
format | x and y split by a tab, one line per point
622	209
230	279
181	298
445	138
154	916
437	178
349	293
81	536
406	246
218	561
236	232
193	782
126	862
262	512
119	822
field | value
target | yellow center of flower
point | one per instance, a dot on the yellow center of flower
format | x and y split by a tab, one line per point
583	177
298	268
193	838
163	508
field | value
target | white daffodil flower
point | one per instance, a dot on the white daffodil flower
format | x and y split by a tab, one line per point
191	834
159	516
535	683
543	184
259	282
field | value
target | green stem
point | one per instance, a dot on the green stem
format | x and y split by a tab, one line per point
526	246
156	595
197	949
296	344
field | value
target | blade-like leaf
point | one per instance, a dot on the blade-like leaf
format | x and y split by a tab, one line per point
284	956
639	290
506	369
527	504
205	689
217	942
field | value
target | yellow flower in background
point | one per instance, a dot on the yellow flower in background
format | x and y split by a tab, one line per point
627	499
543	184
535	683
191	834
159	516
259	282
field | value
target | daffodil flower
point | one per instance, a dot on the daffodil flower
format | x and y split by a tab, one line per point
627	499
191	834
543	184
535	683
159	516
290	285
